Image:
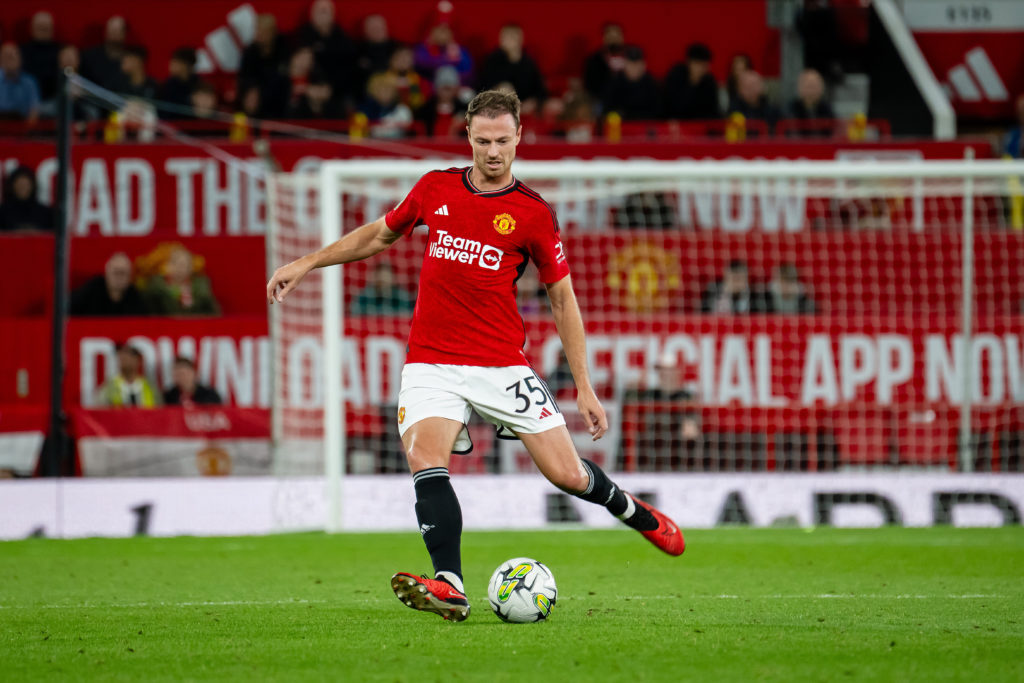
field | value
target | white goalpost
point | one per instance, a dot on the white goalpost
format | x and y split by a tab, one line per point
900	350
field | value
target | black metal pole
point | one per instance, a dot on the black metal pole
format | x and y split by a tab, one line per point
55	454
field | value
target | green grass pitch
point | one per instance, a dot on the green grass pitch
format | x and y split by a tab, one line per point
741	604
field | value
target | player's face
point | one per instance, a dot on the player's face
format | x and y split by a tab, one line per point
494	145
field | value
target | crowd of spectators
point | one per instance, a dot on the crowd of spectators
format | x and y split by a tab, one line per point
122	290
175	288
129	387
735	294
321	72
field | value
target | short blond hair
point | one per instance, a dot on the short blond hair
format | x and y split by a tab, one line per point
493	103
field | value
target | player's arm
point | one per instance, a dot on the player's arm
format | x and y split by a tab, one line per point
569	323
363	242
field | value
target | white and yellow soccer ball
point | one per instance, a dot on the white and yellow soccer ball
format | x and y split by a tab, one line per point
522	590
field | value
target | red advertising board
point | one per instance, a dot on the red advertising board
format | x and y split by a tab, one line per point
754	361
168	190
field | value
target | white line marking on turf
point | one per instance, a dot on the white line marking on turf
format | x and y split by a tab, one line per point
202	603
816	596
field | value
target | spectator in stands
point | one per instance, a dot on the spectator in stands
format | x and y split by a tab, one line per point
21	209
318	101
733	294
187	391
786	293
180	290
509	63
102	64
388	117
560	380
810	102
250	101
19	93
68	58
440	49
411	86
375	49
444	113
264	59
110	294
39	59
577	112
204	100
182	80
740	64
137	83
129	387
530	294
691	91
300	68
1014	145
751	101
633	92
382	295
333	51
817	24
600	66
646	211
670	424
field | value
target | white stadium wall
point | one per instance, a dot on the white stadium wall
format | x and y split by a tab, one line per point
249	506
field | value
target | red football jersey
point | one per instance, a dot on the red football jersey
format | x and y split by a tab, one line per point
479	246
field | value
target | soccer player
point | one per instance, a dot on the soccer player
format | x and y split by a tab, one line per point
465	348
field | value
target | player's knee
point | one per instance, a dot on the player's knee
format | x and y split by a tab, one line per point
570	479
420	458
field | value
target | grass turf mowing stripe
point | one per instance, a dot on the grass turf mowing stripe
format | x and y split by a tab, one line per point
886	604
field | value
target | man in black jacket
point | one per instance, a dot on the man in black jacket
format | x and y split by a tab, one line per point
110	294
691	91
600	66
333	50
21	210
510	64
633	93
187	391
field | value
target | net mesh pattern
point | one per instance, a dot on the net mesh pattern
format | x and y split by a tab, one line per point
770	324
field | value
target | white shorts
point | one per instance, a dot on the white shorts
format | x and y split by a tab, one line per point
515	399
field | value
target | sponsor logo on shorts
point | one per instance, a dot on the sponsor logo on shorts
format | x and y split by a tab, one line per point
504	223
544	412
464	250
401	415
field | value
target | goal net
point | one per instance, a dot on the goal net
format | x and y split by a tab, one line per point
741	316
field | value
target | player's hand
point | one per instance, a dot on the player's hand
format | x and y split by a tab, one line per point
286	278
593	412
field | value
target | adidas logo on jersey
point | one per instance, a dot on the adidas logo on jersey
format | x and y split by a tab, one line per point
443	211
544	412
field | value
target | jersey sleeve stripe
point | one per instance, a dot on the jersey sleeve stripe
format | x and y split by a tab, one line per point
536	197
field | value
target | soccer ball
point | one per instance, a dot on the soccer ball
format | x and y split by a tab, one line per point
522	590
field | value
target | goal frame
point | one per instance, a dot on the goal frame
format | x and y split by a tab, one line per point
333	175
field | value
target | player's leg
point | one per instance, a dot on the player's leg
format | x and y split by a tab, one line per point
431	421
428	448
555	456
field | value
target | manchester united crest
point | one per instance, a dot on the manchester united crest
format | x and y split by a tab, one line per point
401	415
504	223
644	278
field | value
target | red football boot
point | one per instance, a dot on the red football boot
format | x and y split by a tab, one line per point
430	595
667	536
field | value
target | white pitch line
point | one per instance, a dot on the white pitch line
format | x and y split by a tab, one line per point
222	603
271	603
816	596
